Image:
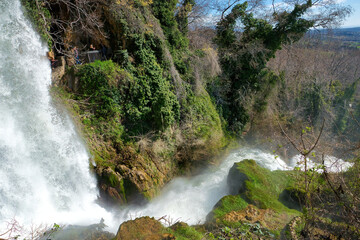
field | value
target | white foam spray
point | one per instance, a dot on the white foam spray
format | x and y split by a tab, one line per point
44	168
331	164
191	199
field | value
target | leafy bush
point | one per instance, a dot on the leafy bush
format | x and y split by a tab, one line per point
95	85
144	98
155	103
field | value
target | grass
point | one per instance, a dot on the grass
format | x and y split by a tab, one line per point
229	203
182	231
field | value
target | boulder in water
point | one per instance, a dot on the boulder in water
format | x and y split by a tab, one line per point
236	180
144	228
255	197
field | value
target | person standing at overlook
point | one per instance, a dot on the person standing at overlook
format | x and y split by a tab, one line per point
76	55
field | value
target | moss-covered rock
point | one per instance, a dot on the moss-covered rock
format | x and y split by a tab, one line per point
144	228
256	198
183	231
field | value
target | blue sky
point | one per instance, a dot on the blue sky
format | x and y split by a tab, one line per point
354	19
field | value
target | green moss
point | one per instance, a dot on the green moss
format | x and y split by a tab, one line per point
228	204
203	114
264	187
187	232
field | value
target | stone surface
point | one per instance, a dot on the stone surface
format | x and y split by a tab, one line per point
144	228
236	181
59	71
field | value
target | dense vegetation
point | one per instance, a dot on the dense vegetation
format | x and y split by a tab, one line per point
170	98
145	113
244	60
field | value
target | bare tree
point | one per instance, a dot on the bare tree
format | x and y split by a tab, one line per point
325	13
83	17
12	231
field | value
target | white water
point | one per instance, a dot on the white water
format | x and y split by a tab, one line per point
331	164
44	168
191	199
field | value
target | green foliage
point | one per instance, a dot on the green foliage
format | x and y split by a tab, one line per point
244	59
155	101
174	33
114	103
165	12
143	99
40	17
200	110
268	81
312	101
182	15
95	85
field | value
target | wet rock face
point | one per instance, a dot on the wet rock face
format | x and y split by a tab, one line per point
144	228
59	71
236	181
116	188
110	186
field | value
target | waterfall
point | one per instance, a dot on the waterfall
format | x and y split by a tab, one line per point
44	167
191	199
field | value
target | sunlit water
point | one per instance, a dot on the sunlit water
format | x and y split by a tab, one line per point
44	167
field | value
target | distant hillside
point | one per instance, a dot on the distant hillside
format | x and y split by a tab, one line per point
350	37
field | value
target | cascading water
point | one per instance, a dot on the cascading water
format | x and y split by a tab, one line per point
44	168
191	199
